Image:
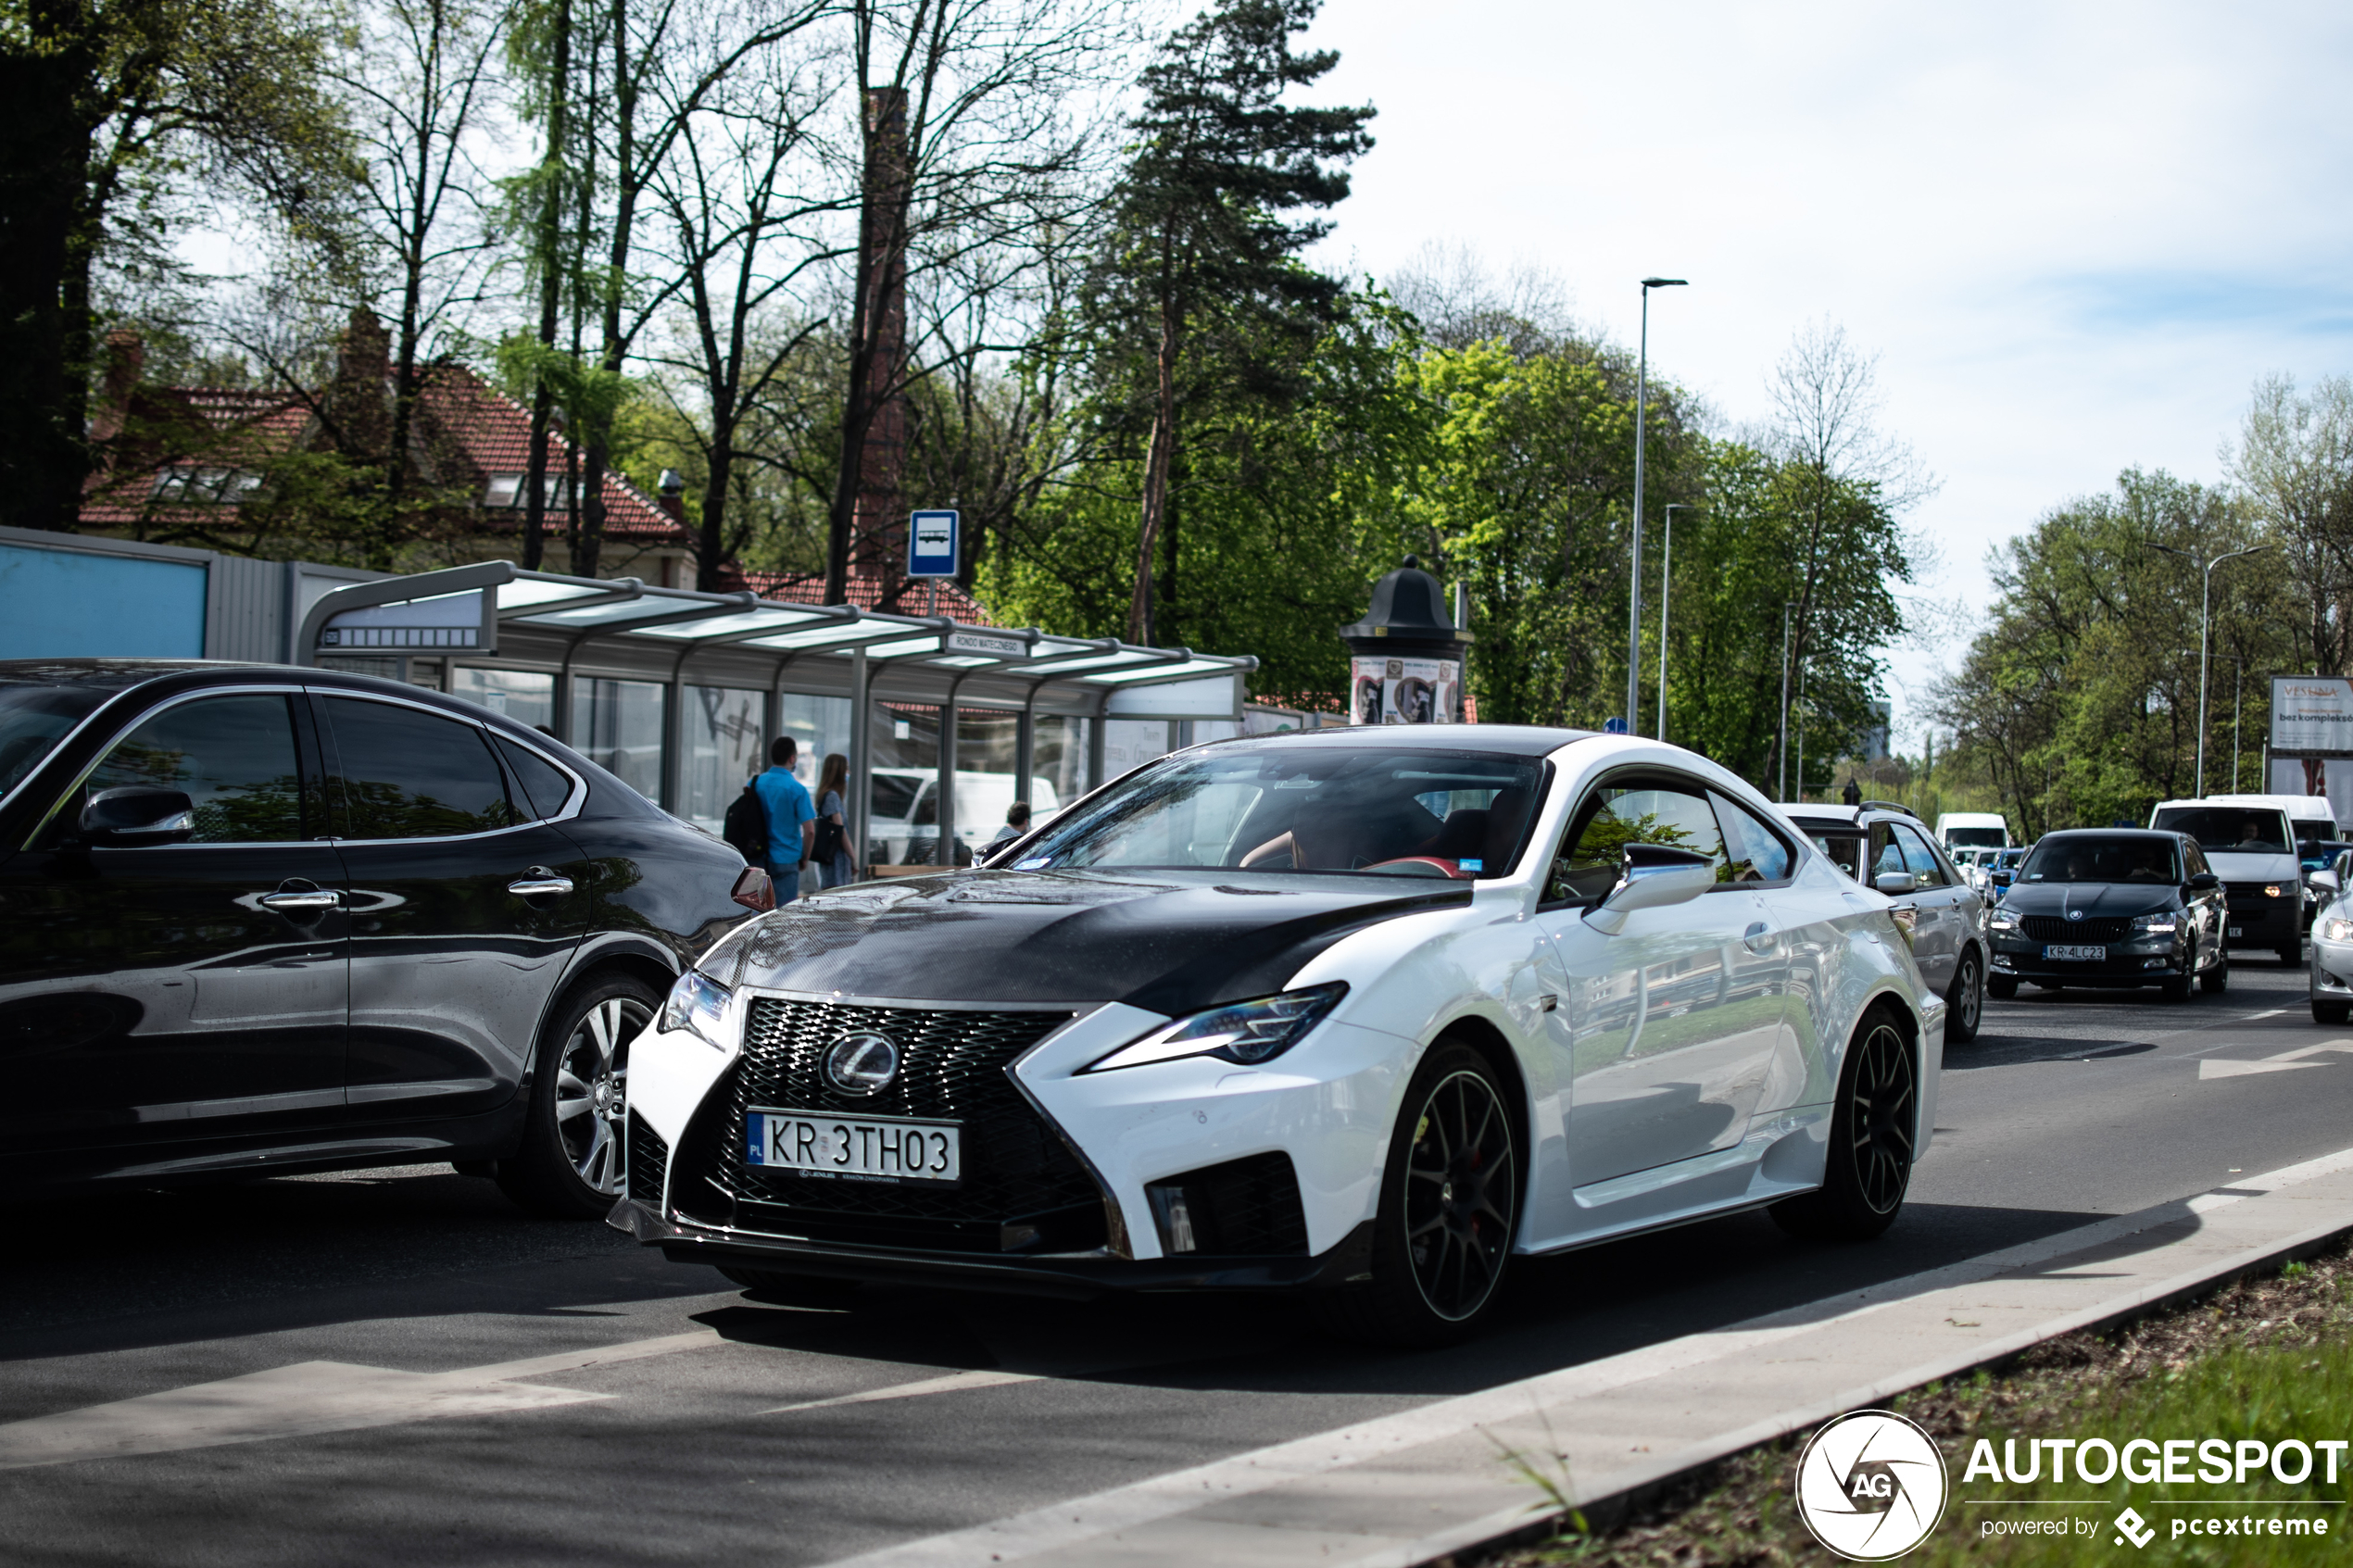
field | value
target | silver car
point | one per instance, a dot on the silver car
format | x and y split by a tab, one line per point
1886	846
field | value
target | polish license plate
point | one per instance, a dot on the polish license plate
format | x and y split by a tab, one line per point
2094	955
857	1148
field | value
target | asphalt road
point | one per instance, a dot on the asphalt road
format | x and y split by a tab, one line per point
282	1307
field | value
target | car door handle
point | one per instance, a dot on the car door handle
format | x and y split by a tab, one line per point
310	898
539	883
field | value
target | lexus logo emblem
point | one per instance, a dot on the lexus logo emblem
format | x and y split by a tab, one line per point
863	1063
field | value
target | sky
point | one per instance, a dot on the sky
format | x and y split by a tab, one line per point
2074	235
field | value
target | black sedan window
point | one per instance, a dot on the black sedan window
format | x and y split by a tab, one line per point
411	774
234	758
1313	808
2095	859
33	720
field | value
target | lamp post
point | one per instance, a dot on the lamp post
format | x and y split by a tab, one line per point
1665	578
1781	746
1635	576
2238	693
2205	604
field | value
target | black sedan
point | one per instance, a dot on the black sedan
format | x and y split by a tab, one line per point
2110	908
255	917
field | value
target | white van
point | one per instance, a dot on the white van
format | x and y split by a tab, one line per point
2250	842
904	827
1974	829
2310	815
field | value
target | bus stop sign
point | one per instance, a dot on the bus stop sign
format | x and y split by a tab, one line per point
931	544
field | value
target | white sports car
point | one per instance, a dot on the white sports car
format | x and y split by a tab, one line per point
1366	1011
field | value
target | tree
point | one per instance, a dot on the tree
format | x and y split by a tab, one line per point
1198	234
968	171
114	115
2294	461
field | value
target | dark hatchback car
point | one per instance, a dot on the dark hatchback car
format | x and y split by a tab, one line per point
255	917
2109	908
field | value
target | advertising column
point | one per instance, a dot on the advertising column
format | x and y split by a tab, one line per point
1405	657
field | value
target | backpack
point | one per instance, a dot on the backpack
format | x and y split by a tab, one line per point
746	826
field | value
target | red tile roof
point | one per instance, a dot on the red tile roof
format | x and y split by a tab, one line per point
914	594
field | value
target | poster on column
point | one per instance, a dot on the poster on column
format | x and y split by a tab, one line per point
1405	691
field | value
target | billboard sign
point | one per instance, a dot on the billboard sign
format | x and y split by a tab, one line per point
2312	714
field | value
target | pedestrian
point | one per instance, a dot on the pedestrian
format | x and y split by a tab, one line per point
792	821
835	867
1016	824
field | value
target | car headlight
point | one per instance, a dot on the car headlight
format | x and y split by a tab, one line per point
1247	1033
2335	929
695	1005
2003	921
2161	925
2271	890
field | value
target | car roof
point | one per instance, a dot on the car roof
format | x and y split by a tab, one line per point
112	674
1512	740
2166	833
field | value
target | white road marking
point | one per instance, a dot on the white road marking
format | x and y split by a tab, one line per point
1081	1524
2220	1067
308	1399
952	1382
2252	1016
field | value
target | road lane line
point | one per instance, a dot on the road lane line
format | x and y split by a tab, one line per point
953	1383
1072	1530
308	1399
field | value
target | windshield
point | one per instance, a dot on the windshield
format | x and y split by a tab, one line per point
35	718
2095	859
1308	808
1987	838
2229	830
2310	830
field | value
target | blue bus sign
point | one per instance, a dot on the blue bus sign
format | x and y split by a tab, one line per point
1613	725
931	544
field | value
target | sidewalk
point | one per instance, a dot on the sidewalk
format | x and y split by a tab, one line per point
1407	1488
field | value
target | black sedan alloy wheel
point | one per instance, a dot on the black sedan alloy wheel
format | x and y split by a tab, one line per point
572	1162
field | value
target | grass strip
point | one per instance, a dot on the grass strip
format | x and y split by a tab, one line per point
2265	1358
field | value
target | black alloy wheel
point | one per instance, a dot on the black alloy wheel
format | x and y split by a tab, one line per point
1967	999
1449	1209
1868	1166
2217	978
571	1163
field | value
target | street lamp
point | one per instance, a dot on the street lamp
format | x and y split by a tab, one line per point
1635	576
2205	604
1666	579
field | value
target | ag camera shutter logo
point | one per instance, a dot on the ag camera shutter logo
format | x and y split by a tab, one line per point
1870	1486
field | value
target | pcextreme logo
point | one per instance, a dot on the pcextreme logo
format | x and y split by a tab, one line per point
1870	1486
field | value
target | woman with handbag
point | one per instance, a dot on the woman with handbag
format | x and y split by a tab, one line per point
835	866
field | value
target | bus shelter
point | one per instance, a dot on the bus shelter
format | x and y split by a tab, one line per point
681	692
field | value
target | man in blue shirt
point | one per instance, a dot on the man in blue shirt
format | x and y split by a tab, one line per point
792	820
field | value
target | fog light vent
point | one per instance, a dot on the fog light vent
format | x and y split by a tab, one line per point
1244	1207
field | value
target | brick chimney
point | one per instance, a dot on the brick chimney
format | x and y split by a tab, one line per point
878	534
126	364
672	497
358	402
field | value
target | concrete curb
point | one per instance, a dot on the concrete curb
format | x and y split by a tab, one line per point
1410	1488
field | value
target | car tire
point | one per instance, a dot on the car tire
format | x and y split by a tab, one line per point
572	1162
1966	1000
2001	987
1870	1165
781	1289
2293	956
2331	1012
1438	1264
2217	978
2176	989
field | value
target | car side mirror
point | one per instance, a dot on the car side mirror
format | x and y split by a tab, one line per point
2324	879
2203	881
2004	878
1895	883
1651	876
138	814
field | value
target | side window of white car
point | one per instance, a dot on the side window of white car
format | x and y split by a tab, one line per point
1585	865
1756	852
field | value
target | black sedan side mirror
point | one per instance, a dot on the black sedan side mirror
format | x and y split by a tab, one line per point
138	814
2004	878
2203	881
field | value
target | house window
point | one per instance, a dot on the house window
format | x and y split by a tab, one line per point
506	492
187	483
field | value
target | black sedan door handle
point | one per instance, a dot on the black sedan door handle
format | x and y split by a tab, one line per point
540	882
299	900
